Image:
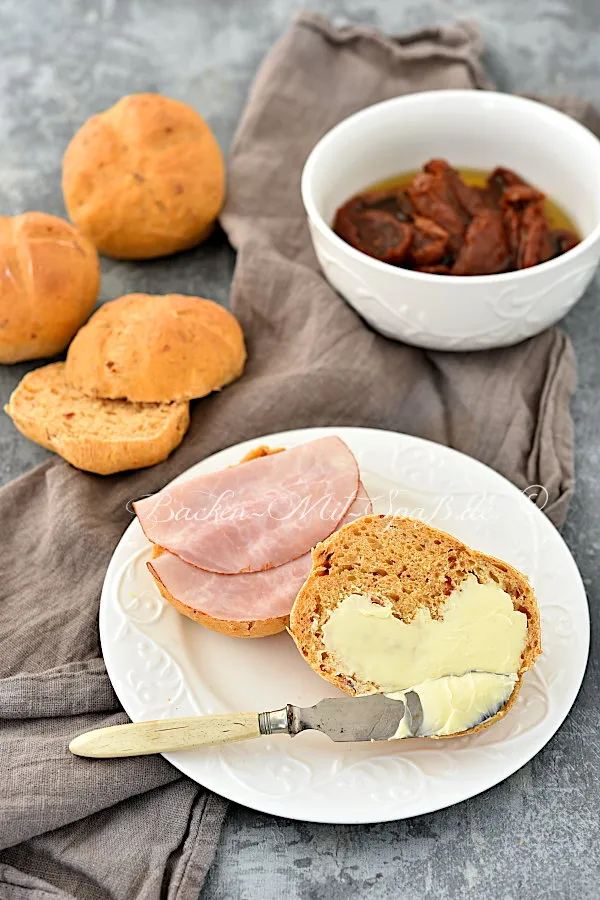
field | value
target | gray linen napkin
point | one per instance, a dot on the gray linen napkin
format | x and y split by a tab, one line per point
135	829
69	827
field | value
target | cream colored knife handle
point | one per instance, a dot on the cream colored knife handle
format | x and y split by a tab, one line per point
165	735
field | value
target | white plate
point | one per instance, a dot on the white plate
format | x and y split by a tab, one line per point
162	664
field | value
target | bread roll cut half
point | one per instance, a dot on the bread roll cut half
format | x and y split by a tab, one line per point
156	348
413	570
100	436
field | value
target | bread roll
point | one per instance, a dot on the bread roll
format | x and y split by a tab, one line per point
411	568
145	178
156	348
101	436
49	280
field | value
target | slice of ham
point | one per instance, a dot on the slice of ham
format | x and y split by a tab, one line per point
258	515
247	597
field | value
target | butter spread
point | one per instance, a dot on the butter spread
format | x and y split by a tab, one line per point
478	630
456	703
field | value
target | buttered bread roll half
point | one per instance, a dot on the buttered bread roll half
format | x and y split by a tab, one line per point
145	178
392	603
49	281
156	349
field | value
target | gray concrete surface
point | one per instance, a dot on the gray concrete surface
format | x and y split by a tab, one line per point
536	835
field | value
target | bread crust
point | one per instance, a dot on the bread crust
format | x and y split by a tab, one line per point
49	282
144	178
156	348
410	565
246	628
99	436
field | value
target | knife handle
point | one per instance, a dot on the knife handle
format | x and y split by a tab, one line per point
165	735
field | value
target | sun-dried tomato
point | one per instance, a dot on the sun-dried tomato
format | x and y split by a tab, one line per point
526	226
485	250
497	182
432	199
405	211
376	232
440	224
435	270
519	196
536	244
563	240
429	242
468	198
384	200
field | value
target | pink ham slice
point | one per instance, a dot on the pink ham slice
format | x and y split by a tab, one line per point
258	515
248	597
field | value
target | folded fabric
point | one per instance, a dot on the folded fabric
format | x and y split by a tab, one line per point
71	827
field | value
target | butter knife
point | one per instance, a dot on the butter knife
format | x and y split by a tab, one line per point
377	717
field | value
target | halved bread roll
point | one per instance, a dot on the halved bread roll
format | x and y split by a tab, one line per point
155	348
411	573
100	436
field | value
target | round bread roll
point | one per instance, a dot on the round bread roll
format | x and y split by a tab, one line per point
49	280
100	436
145	178
156	349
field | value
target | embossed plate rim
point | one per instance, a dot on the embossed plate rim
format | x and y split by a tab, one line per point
376	770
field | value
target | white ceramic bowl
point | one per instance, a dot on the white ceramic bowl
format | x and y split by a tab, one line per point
477	129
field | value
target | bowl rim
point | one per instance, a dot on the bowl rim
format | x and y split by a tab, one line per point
579	131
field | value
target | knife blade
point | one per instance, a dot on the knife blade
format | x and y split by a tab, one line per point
420	711
372	718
